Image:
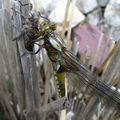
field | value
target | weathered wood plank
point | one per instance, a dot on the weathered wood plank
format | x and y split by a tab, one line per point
27	62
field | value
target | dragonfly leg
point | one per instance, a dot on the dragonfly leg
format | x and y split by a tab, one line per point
40	47
37	40
33	53
24	4
43	17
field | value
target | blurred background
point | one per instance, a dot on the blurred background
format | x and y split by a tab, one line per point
90	30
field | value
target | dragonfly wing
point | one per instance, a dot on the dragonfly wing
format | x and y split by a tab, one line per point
85	77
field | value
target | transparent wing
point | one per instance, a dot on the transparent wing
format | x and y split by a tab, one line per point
84	78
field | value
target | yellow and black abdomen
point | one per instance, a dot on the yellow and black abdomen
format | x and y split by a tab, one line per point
55	58
60	81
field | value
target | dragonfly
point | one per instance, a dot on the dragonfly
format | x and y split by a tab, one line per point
65	62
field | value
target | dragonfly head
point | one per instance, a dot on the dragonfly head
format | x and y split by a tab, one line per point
47	27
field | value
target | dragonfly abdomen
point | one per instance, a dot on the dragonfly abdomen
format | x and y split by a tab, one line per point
60	81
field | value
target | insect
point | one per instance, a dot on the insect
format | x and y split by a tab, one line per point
65	62
34	31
